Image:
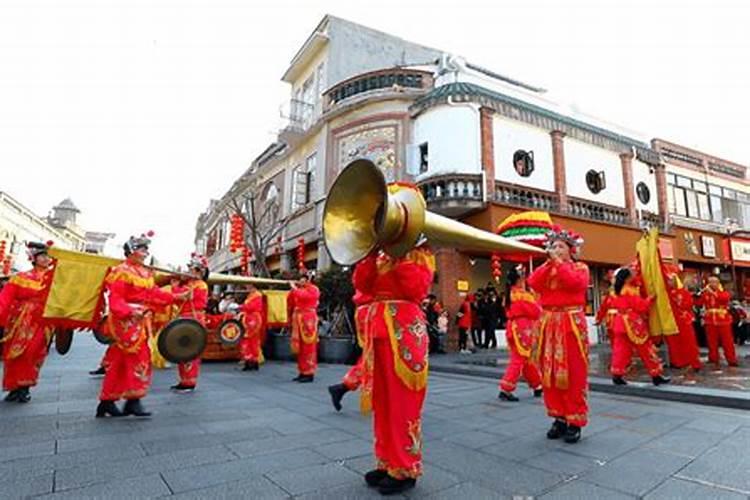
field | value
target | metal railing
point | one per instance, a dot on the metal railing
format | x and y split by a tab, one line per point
378	80
520	196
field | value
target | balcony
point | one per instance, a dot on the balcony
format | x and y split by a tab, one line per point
378	80
298	117
524	197
453	195
592	210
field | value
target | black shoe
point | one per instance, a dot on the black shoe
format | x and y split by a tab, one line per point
305	378
297	378
176	387
247	367
391	486
618	380
12	396
375	477
507	396
254	366
134	407
558	429
337	392
107	408
572	434
660	379
538	392
23	395
98	371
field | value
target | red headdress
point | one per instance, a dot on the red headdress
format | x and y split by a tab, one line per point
136	242
35	249
570	238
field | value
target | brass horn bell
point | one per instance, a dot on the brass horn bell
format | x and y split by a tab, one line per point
361	215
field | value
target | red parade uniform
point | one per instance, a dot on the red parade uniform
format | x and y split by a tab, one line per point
303	302
353	378
394	355
718	321
683	347
563	340
630	332
194	308
131	290
26	335
521	331
252	320
607	313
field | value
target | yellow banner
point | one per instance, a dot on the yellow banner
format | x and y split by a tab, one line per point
276	303
76	288
661	318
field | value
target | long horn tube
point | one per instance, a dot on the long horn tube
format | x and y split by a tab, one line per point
361	215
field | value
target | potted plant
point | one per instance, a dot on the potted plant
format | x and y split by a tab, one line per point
336	331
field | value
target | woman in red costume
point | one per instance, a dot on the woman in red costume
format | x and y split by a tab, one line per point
353	378
26	336
252	321
194	307
132	292
683	347
395	362
561	284
523	314
718	322
630	330
606	312
303	301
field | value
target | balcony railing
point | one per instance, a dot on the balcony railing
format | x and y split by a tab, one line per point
453	194
378	80
596	211
525	197
297	115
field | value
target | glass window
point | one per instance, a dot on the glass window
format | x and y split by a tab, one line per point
705	212
311	167
679	199
716	211
699	186
728	193
684	182
714	190
671	200
671	179
692	204
743	197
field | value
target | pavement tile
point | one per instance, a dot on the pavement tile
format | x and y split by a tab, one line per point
686	441
355	490
206	440
346	449
654	424
723	465
27	487
467	491
147	486
317	477
561	461
608	445
637	472
281	443
478	439
435	479
582	490
678	489
720	424
258	488
28	450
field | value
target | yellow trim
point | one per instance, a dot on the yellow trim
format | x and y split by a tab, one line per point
25	282
577	333
523	351
415	381
130	278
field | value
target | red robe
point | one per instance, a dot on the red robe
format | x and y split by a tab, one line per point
194	308
353	378
718	321
563	339
26	334
303	302
464	321
252	320
521	332
630	332
606	313
394	355
131	289
683	347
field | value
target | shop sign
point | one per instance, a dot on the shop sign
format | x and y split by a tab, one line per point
462	285
666	249
690	244
708	244
740	250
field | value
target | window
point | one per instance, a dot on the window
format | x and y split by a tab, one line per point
679	202
424	164
716	210
692	204
705	211
303	182
595	181
684	182
523	162
643	192
311	166
321	79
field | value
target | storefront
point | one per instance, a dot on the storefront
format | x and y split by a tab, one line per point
701	254
738	250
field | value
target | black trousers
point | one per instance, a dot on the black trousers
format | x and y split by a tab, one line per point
463	336
476	337
489	337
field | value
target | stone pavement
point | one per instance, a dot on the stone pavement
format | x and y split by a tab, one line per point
258	435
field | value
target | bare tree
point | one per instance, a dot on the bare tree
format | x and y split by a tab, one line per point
260	213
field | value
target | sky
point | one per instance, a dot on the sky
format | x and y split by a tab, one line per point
141	111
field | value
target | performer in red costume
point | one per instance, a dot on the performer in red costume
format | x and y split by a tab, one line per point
26	335
464	323
562	348
303	301
630	331
132	292
523	314
718	321
194	307
683	347
353	378
606	312
252	320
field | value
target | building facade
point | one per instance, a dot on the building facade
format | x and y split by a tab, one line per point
480	146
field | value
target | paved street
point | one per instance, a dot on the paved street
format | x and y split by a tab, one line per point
259	435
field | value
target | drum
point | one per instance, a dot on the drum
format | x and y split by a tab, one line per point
231	332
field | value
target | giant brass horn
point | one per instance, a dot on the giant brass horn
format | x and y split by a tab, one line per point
361	215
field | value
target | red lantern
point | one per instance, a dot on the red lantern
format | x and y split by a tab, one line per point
2	250
496	266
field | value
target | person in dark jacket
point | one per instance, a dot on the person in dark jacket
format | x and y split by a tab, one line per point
476	319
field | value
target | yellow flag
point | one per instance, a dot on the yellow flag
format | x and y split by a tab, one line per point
661	317
75	296
276	303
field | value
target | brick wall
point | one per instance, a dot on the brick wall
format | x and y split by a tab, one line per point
558	161
627	180
452	265
488	150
